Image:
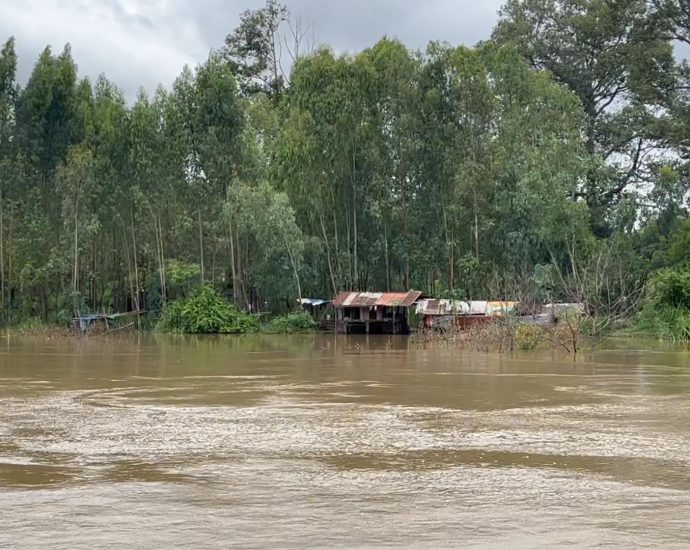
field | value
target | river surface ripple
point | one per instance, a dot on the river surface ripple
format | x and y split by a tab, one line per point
313	441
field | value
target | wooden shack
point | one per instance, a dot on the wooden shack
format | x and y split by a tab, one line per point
459	314
374	312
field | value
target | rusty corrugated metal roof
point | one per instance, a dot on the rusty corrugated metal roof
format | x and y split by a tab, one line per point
367	299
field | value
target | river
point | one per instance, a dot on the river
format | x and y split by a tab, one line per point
312	441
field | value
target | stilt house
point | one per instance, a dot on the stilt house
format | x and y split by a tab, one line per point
374	312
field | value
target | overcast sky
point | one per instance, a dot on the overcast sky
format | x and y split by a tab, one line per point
146	42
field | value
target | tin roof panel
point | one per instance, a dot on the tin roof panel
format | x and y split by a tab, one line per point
384	299
460	307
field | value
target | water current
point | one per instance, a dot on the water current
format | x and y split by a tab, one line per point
312	441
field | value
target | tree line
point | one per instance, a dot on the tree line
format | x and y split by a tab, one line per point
549	161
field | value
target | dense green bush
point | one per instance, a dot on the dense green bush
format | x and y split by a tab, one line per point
290	324
667	311
529	337
205	311
671	287
182	279
667	322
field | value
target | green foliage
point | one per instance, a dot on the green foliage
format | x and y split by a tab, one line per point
291	323
665	322
549	161
671	288
529	337
616	57
31	325
182	278
254	48
679	247
205	312
667	311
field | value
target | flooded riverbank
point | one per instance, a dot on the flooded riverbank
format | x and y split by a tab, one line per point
312	441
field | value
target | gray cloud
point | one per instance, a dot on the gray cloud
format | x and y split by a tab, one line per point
128	18
147	42
356	24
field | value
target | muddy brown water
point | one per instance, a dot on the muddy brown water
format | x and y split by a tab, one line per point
312	441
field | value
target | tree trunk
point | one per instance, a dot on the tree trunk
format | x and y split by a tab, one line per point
328	254
451	260
348	241
130	275
240	273
164	274
8	282
75	272
213	265
406	229
476	227
137	301
387	259
201	249
94	283
233	266
354	218
2	259
295	271
449	246
161	258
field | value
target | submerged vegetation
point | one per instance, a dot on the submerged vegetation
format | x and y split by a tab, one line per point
507	334
291	324
205	311
548	162
667	311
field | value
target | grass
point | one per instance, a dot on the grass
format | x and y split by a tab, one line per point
664	323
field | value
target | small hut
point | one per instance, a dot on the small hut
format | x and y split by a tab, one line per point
374	312
313	306
103	322
461	315
320	311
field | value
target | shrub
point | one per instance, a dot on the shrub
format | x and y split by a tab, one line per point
671	287
666	322
291	323
667	311
182	280
205	311
529	337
